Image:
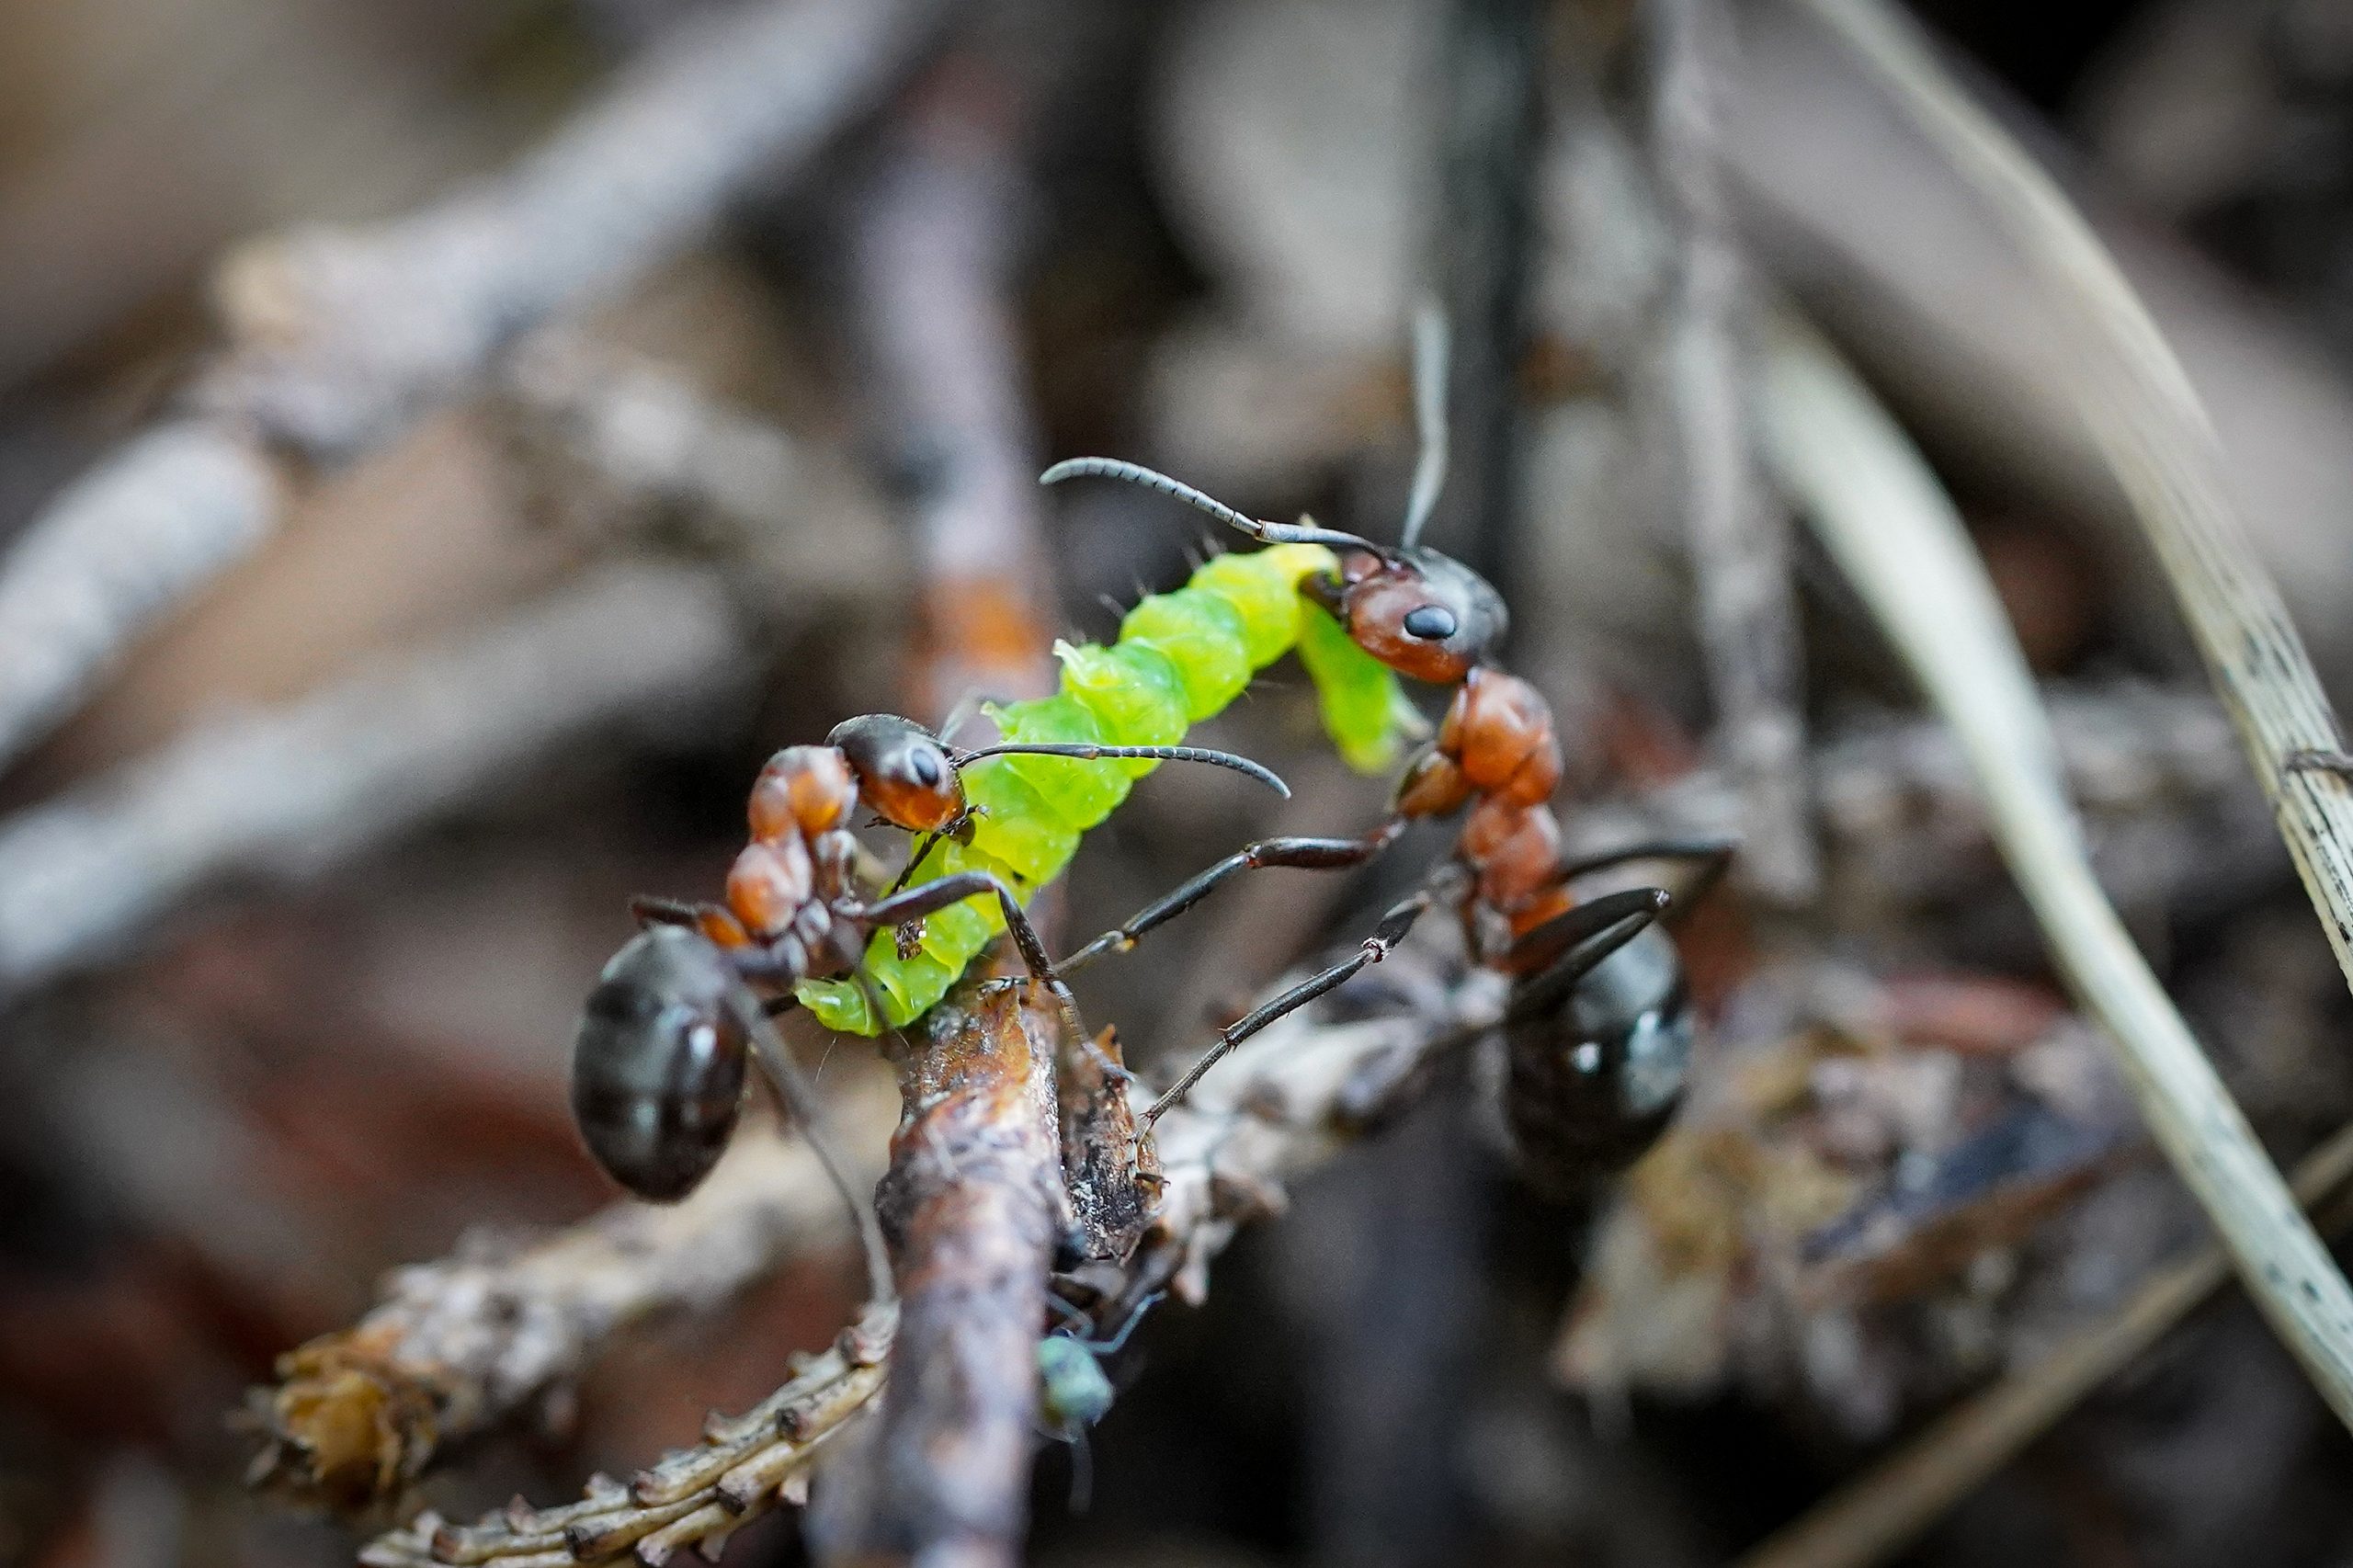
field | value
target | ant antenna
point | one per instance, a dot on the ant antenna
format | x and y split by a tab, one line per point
1087	752
1432	343
1152	479
800	1096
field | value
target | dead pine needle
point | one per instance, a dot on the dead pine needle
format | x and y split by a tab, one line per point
1890	525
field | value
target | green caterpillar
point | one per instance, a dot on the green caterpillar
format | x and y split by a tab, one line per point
1181	658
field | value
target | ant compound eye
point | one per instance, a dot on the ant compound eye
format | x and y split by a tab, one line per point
923	763
1431	623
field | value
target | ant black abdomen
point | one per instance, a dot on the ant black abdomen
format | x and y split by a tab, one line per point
1594	1080
658	1065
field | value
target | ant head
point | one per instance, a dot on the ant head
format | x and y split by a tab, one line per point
904	771
1421	613
657	1066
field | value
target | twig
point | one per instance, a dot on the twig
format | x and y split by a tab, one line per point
1487	158
974	1200
933	245
459	1347
286	793
973	1203
1286	1101
1737	534
1884	1509
1897	536
621	446
339	339
690	1498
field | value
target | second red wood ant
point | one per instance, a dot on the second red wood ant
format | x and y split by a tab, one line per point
1598	1024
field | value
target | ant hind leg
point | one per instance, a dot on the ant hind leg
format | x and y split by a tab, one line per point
1391	930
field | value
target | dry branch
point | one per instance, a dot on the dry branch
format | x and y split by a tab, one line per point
2136	400
458	1349
1883	516
692	1497
1737	534
286	793
1289	1099
339	339
973	1204
974	1199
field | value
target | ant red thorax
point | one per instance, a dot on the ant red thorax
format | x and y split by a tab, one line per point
1423	614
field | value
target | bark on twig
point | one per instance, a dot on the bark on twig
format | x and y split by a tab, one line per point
1737	533
1883	514
461	1348
288	792
339	339
973	1204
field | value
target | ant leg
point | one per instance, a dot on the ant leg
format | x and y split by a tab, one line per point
934	896
1587	933
1305	854
1387	935
1713	853
799	1096
648	910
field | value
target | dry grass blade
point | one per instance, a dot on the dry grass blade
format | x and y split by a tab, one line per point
1896	535
1881	1511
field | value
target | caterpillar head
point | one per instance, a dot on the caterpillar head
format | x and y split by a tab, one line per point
1423	614
904	771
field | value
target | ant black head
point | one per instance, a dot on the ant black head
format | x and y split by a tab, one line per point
657	1066
904	771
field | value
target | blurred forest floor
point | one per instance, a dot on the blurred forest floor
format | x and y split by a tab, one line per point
469	546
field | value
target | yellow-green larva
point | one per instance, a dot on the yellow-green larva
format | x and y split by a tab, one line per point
1181	657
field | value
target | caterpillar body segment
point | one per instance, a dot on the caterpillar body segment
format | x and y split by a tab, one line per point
1181	657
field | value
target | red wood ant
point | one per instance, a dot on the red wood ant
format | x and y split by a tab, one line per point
1597	1025
659	1059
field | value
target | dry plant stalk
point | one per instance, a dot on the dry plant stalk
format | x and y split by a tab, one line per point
341	339
462	1346
289	792
1737	533
2138	403
1896	535
694	1498
1880	1512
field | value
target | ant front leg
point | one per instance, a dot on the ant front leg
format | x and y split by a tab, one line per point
1394	925
932	897
1303	854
